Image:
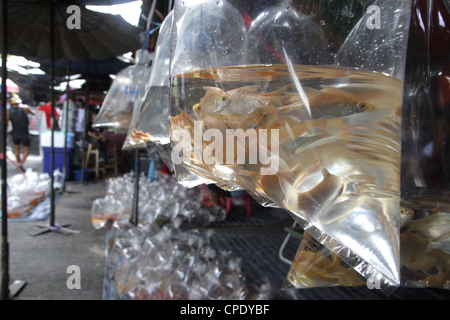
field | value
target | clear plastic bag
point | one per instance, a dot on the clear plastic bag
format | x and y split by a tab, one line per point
26	191
299	103
152	122
164	152
316	266
424	239
166	263
161	201
424	217
124	96
424	257
425	250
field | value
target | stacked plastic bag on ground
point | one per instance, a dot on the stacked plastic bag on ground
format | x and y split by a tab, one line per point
157	259
152	263
162	201
26	191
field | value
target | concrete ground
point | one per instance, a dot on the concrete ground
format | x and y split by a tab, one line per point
42	261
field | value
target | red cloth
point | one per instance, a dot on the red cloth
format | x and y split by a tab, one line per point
47	108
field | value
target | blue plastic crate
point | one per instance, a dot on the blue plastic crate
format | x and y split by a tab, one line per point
58	160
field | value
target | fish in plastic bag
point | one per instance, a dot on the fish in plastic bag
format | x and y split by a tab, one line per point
152	122
424	258
425	251
124	96
316	266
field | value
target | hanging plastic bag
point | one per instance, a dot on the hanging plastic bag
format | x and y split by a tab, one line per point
424	257
201	49
425	236
316	266
299	104
425	213
152	123
125	95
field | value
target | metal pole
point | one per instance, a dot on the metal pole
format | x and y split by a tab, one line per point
5	245
86	115
52	225
135	209
52	71
66	117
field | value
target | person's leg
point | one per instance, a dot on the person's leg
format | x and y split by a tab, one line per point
16	145
26	151
26	141
17	154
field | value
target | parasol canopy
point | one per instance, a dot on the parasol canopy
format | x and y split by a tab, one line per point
100	36
92	66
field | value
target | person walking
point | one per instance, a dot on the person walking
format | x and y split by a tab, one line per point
18	115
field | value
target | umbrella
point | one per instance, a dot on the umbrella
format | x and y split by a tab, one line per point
95	66
11	86
39	29
101	36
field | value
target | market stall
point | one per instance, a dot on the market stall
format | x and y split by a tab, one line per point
296	150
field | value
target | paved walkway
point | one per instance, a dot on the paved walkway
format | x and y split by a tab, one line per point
42	261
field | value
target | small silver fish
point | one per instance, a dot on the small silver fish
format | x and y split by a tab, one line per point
240	101
208	104
406	215
331	103
441	243
432	227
